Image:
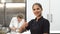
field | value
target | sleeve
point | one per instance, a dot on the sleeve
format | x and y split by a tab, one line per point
46	26
29	23
11	23
28	27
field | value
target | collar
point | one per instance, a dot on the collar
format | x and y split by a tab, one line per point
39	18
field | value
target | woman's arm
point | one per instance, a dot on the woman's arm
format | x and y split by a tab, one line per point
23	27
46	27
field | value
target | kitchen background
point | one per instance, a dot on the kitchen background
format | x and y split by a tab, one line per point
10	8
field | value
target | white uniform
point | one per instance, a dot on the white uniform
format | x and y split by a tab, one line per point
14	23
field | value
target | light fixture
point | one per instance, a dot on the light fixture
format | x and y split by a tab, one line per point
15	5
1	5
2	1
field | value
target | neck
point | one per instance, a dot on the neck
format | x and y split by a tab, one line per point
38	18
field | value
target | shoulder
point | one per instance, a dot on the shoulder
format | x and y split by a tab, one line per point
14	18
45	21
31	21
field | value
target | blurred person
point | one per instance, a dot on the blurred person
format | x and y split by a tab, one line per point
16	23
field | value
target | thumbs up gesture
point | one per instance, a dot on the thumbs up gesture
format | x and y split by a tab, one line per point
25	24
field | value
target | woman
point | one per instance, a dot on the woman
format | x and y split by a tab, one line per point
39	25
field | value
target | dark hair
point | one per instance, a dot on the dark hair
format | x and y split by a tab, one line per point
38	5
20	16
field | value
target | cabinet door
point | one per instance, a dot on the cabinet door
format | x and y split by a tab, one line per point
55	11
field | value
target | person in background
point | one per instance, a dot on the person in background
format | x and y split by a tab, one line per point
39	25
16	23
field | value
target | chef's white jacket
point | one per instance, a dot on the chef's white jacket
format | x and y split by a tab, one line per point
14	23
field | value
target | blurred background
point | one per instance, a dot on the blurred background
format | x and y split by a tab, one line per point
9	9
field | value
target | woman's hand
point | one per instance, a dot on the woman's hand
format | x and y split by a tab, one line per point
23	27
25	24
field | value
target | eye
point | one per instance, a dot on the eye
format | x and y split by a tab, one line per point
37	8
33	9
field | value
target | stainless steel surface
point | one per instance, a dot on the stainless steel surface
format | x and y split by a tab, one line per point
6	13
11	12
13	1
1	14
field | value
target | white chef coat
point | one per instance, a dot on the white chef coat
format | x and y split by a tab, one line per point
14	23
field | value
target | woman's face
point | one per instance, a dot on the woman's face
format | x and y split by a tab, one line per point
37	10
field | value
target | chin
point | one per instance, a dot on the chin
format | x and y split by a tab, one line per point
36	15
